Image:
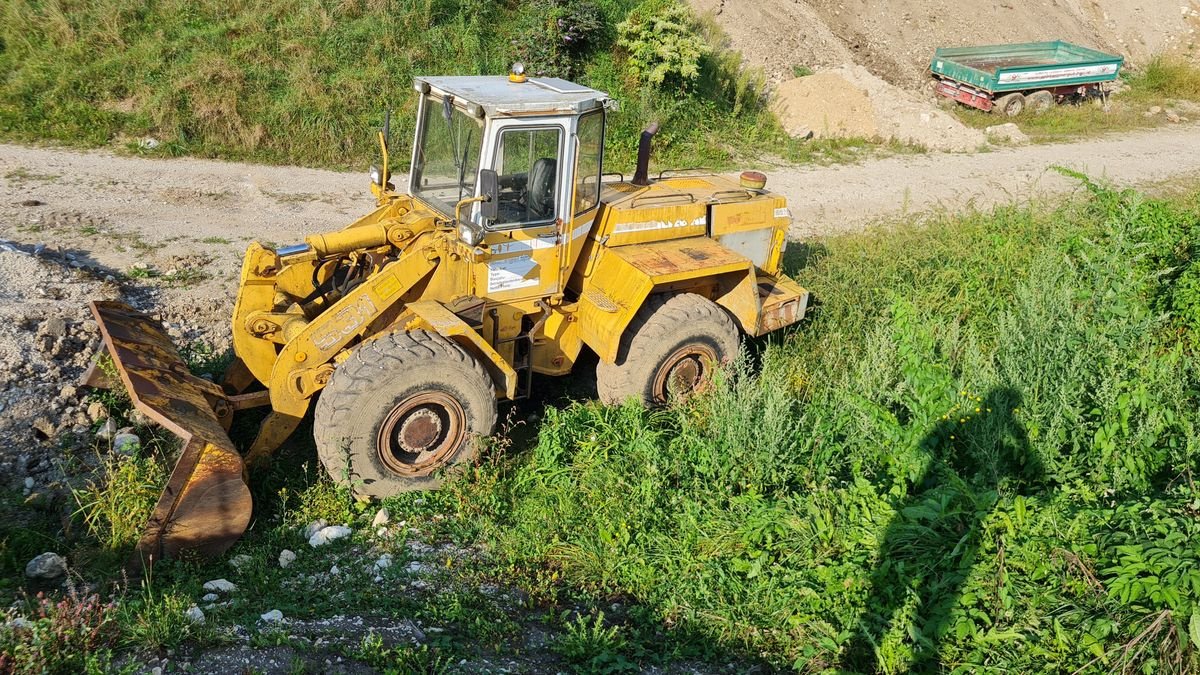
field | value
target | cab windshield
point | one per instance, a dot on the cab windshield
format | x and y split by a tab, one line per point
447	157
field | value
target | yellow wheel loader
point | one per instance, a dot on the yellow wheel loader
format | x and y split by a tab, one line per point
510	253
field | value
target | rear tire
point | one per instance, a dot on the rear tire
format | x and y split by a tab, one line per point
1040	102
673	345
402	407
1010	105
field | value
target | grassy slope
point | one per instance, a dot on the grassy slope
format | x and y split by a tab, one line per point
978	453
305	81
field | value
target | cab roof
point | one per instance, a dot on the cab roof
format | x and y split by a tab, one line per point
500	96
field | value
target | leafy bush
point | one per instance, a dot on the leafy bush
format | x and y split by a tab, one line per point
664	46
553	35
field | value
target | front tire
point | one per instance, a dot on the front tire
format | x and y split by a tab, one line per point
402	407
672	346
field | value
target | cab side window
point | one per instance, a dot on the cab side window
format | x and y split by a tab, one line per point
527	162
591	150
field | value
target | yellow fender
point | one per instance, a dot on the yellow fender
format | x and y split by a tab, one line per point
623	277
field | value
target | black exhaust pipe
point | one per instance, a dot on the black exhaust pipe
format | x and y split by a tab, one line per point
640	176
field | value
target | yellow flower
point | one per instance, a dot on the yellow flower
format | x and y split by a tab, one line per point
978	410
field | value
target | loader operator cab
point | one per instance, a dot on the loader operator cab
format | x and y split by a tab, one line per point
536	142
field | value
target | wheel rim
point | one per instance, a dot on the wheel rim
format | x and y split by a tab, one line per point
421	434
684	372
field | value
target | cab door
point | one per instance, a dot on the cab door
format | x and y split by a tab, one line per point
523	259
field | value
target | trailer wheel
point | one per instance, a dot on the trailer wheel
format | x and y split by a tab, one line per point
672	346
1009	105
402	407
1039	102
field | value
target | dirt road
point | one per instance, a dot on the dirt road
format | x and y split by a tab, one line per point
121	211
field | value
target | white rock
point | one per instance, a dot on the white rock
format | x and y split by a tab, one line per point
313	528
126	443
108	430
48	565
328	534
29	482
1009	133
384	562
273	616
210	597
381	532
220	586
334	570
382	517
240	561
195	614
286	558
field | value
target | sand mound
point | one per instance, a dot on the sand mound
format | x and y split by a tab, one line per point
896	38
850	102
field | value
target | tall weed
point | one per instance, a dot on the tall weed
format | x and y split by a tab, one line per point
944	468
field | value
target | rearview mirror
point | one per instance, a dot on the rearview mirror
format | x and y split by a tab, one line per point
489	187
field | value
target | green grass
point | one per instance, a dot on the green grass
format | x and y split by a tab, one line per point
307	81
1168	78
979	453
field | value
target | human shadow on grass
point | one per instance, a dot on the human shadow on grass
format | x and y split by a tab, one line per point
931	544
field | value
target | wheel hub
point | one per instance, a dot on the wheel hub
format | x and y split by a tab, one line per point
683	372
420	430
421	434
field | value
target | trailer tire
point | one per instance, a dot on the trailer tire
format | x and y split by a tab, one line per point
400	409
1039	102
671	346
1009	105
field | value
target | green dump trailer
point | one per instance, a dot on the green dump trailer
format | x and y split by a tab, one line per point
1010	79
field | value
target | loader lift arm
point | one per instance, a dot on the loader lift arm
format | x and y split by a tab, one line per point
206	504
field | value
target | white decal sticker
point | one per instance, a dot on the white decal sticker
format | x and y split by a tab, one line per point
1058	74
510	274
783	213
344	323
657	225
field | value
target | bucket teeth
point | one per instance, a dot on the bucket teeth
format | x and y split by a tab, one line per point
206	505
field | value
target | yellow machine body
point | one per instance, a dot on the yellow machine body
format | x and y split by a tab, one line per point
521	300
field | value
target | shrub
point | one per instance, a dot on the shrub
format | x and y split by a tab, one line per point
664	47
553	35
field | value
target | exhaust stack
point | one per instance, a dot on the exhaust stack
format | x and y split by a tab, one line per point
640	176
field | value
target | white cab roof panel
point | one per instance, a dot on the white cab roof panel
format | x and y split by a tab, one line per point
499	96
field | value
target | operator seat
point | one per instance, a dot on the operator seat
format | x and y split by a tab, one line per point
539	197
